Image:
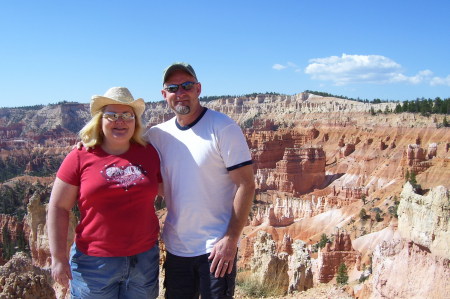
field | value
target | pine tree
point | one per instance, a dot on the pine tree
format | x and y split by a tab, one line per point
342	276
323	240
7	244
412	178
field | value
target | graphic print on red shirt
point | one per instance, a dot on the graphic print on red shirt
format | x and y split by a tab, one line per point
124	176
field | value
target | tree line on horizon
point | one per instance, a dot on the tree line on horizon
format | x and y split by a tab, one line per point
425	107
436	105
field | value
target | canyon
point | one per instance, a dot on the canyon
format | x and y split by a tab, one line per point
319	162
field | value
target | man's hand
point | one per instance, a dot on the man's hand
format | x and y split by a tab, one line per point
223	255
80	146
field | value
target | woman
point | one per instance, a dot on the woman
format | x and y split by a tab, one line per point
115	253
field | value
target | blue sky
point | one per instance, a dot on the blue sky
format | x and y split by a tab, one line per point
52	51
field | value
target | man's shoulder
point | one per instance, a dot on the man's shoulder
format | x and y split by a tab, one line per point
156	132
219	117
162	126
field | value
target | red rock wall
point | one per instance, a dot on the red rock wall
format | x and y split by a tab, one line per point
333	255
299	172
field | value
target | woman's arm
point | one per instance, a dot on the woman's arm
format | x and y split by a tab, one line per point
62	200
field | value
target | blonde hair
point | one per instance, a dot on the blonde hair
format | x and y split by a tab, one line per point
91	134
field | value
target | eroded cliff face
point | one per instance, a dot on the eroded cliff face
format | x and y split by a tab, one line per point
289	269
416	265
425	220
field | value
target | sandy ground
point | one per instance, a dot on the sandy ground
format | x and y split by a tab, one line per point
322	291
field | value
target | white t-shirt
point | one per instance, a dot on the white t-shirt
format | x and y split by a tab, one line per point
199	193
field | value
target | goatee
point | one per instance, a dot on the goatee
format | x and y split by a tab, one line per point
182	109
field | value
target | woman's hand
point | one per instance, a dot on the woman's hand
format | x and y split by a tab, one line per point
61	272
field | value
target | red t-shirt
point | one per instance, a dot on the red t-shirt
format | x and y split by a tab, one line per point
116	199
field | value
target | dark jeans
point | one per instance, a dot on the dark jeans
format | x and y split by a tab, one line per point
189	277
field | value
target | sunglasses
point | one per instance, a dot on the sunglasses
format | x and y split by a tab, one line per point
112	116
172	88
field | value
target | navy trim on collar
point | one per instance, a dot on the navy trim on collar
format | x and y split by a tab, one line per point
240	165
184	128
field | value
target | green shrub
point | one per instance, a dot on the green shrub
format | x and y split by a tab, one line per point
363	214
378	217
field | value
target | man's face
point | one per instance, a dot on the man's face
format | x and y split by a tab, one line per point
182	101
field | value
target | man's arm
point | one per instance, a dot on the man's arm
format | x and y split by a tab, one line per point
224	251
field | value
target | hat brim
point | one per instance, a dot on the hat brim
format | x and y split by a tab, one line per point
98	102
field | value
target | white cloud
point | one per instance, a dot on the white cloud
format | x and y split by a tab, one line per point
422	76
289	64
279	67
373	69
440	81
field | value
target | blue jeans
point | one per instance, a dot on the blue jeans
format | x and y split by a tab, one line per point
189	277
128	277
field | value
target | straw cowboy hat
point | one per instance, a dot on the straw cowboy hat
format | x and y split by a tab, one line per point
117	95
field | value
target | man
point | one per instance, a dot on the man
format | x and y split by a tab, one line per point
208	188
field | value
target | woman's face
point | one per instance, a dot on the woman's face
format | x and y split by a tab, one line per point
118	123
